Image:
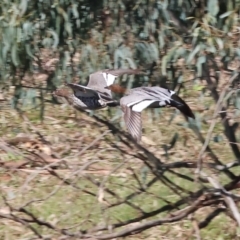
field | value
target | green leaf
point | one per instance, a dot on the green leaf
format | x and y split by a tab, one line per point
5	51
226	14
23	7
213	7
55	37
198	87
131	62
220	43
180	79
179	53
154	51
47	42
68	28
193	53
14	55
75	11
28	50
161	40
237	101
164	65
200	61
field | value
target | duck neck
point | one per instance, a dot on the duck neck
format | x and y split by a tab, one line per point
116	88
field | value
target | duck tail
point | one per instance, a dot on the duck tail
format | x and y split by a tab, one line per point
181	105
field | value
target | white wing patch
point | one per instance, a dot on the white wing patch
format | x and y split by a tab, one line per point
162	103
109	78
172	92
132	103
142	105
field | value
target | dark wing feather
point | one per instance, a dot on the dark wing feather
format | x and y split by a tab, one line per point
181	105
79	88
169	97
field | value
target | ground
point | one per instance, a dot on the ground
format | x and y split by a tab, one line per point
71	171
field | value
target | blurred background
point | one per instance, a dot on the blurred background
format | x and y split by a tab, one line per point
67	174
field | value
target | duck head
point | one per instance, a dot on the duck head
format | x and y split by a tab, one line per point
116	88
61	93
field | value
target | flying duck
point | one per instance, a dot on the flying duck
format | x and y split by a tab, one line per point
95	95
137	99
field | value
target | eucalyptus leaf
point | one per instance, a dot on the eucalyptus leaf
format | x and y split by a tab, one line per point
200	61
55	37
29	50
220	43
226	14
213	7
164	65
193	53
14	55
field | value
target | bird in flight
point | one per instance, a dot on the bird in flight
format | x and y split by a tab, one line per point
95	95
137	99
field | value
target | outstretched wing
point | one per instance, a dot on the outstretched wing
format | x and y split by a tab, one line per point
132	106
104	78
167	97
133	123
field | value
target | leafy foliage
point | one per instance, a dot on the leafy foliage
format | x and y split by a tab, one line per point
68	40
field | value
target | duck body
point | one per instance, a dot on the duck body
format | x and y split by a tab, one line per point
95	95
90	99
137	99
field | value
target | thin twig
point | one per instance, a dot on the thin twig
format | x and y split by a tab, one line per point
213	123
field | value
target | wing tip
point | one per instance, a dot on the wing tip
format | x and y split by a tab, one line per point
186	110
135	137
192	115
182	106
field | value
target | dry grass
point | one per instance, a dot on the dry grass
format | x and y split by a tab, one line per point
82	150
